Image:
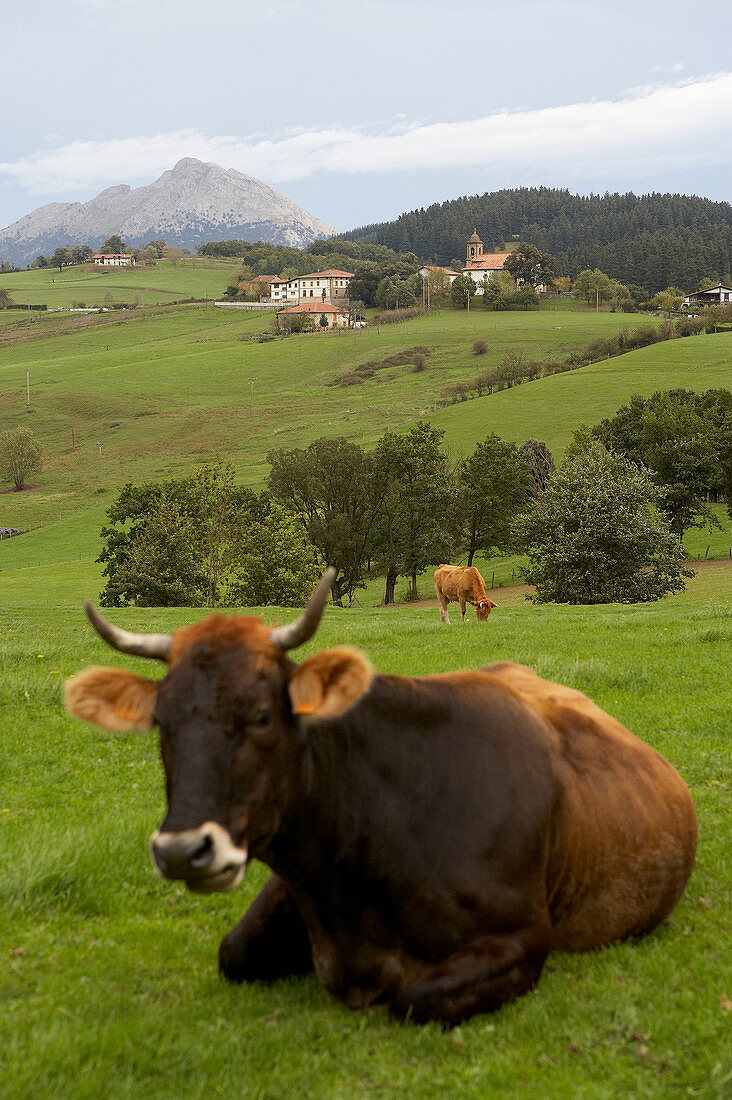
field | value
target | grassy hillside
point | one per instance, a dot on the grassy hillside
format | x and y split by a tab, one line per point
167	281
166	389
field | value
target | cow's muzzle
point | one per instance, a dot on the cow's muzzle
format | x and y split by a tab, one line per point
206	858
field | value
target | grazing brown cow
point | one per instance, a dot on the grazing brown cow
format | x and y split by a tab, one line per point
431	838
464	584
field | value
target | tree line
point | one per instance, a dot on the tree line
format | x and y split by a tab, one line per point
653	240
608	525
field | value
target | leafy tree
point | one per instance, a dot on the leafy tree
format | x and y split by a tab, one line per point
278	563
161	567
206	509
594	286
540	461
20	456
218	526
61	258
596	536
495	485
682	438
463	289
114	245
528	264
5	299
81	254
417	521
669	300
708	284
329	487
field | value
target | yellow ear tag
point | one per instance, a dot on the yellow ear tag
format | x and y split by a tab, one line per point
305	708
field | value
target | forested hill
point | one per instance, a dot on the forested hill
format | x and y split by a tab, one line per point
653	240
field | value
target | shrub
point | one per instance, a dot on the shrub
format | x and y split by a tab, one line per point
596	536
20	456
480	347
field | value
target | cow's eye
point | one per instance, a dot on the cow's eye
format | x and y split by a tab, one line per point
262	719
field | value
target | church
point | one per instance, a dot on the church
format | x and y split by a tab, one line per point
480	265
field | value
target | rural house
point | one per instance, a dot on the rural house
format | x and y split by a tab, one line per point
325	285
716	296
335	317
114	259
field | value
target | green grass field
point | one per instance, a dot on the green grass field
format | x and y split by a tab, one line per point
168	280
109	984
168	388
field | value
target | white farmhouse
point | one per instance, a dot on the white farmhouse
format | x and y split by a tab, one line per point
113	259
323	285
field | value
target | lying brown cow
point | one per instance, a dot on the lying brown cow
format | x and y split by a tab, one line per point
431	838
464	584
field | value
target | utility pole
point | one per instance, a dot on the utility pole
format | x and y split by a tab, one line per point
101	467
27	387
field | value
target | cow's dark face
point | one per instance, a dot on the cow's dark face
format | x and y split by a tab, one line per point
232	712
483	609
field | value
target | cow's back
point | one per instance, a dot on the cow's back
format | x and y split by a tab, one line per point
456	581
624	828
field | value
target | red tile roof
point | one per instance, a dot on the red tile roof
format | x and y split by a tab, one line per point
489	261
313	307
329	274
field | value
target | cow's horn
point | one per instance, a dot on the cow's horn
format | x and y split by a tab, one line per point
141	645
294	634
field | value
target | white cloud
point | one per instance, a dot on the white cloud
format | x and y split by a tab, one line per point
653	128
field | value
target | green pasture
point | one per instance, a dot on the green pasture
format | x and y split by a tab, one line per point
109	986
169	388
166	281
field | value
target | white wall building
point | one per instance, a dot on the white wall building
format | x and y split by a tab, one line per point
480	265
113	259
324	285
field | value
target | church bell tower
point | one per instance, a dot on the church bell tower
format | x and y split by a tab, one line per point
475	247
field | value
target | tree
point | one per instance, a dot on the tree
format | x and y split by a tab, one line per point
495	485
669	300
462	290
528	264
5	299
81	254
594	286
417	520
61	258
541	463
681	438
114	245
330	488
278	564
161	567
596	536
20	456
219	526
205	513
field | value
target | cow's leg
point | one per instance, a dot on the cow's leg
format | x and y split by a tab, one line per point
444	605
488	974
270	941
462	610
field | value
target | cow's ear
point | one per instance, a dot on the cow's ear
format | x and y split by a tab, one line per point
330	682
112	698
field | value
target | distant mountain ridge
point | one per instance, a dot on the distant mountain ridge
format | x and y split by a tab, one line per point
655	240
191	203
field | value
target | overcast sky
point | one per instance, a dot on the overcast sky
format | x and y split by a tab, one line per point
361	110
